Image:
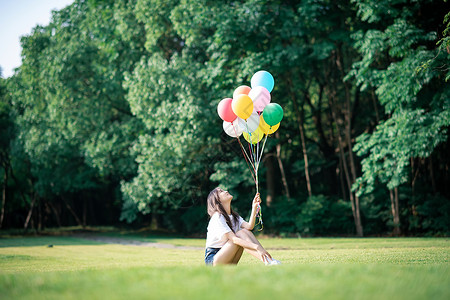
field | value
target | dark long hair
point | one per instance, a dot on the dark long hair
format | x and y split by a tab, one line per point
214	205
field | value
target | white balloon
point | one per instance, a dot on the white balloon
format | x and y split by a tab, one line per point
232	129
251	124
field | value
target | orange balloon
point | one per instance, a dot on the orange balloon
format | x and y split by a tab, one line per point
242	90
266	128
242	106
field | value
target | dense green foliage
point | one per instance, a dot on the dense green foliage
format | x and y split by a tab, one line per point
112	115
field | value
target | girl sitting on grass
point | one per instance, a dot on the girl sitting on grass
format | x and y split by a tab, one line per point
228	234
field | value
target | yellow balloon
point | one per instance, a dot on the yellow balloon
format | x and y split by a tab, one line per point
242	106
254	137
266	128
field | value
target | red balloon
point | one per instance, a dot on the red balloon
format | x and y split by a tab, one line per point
224	110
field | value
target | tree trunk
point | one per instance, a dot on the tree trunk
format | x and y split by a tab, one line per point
395	212
341	179
84	211
299	113
280	164
359	228
340	64
5	184
397	217
270	180
433	181
72	212
414	175
348	136
305	157
39	207
92	215
354	200
30	212
55	212
355	208
446	174
374	101
324	142
154	222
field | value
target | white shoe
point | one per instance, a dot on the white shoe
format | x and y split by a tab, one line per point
272	262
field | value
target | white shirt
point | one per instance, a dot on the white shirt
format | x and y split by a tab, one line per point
218	227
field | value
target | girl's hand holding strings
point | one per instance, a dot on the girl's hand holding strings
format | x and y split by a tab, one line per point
256	201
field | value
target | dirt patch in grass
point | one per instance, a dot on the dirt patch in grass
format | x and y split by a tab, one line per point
130	242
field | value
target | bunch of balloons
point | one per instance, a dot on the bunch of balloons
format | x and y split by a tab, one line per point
251	113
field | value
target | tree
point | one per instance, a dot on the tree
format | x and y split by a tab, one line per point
415	99
166	93
6	133
114	108
74	121
233	40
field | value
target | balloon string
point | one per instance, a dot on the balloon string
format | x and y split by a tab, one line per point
254	151
245	154
246	160
242	148
257	149
257	163
250	145
257	145
259	156
251	151
260	221
252	161
262	151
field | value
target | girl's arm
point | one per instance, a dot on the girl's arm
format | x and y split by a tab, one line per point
251	223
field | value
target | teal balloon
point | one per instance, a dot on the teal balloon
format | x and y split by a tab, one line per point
263	78
272	114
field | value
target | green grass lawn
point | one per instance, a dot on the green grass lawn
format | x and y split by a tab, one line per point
313	268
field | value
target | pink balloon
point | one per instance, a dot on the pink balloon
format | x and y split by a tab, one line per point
260	97
224	110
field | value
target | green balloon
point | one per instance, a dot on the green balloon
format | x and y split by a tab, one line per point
272	114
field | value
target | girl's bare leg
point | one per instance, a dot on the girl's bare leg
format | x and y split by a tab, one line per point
231	253
228	254
238	255
251	236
